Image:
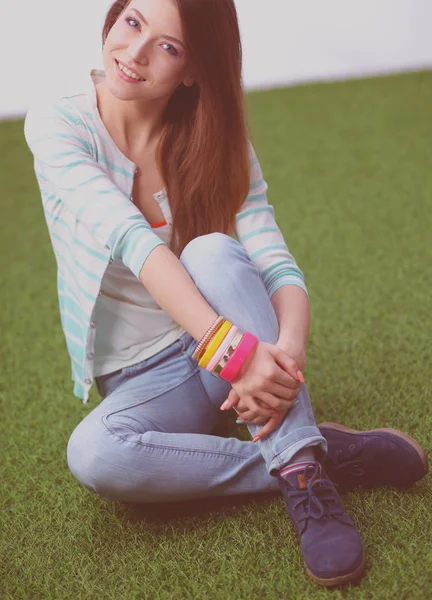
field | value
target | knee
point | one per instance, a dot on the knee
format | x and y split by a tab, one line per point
88	457
80	457
104	464
204	249
212	254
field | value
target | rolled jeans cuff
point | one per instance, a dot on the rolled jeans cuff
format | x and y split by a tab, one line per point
278	452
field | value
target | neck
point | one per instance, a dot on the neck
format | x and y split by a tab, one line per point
135	126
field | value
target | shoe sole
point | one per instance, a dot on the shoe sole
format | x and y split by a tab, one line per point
342	579
411	441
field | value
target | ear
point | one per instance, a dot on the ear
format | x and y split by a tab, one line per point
188	81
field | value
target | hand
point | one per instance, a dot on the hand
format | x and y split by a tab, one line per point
296	351
247	416
268	382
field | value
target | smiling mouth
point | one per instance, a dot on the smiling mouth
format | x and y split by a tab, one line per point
125	75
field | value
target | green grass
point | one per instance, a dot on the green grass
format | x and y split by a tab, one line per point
349	173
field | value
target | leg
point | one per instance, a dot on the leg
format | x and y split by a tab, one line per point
121	448
231	284
230	281
149	439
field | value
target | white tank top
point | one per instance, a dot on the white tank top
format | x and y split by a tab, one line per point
131	326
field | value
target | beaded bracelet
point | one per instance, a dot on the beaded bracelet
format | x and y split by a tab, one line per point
200	349
224	340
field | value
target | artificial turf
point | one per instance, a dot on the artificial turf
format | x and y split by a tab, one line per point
348	166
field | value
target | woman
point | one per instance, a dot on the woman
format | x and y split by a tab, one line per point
170	314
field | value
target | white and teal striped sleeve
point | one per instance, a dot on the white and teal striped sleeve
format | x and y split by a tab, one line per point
65	155
257	230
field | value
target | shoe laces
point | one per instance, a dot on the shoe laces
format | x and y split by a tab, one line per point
347	463
318	499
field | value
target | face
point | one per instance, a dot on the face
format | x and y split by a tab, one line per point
147	38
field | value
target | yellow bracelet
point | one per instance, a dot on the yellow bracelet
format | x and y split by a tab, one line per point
202	344
214	344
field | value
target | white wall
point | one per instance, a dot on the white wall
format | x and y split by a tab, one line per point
48	46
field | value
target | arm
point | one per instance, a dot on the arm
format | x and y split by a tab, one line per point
259	233
255	224
64	155
257	230
291	306
161	274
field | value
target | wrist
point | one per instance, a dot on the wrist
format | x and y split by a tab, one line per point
295	349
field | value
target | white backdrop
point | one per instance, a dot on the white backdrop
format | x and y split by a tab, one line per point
48	47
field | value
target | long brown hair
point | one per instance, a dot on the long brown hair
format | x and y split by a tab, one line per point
203	153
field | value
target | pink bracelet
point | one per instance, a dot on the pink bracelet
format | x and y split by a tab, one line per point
221	350
235	363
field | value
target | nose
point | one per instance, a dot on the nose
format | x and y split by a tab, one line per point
139	51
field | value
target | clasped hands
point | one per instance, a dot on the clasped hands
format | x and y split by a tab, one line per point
266	387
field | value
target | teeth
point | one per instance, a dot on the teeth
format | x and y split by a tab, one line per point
129	73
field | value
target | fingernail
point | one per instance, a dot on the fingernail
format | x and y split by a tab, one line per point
300	376
256	438
239	422
224	405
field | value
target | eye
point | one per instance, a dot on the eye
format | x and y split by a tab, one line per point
171	49
129	20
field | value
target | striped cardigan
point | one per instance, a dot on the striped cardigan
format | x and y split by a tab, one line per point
86	184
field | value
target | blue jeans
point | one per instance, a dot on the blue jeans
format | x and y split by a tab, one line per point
150	440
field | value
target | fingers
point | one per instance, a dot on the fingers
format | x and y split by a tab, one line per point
286	379
248	417
255	409
288	364
280	404
252	405
271	424
288	367
231	401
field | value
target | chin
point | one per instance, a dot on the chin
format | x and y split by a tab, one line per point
120	92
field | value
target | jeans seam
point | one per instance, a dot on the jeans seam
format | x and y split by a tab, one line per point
174	448
177	383
205	391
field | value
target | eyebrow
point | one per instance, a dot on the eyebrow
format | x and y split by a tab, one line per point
144	20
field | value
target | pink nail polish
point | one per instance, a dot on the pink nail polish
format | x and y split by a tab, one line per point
256	438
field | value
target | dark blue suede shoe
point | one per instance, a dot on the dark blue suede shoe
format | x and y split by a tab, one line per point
372	458
332	549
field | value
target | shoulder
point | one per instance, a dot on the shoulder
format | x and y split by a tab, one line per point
255	166
253	158
61	116
251	149
72	105
59	109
